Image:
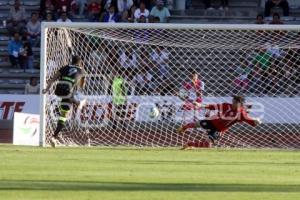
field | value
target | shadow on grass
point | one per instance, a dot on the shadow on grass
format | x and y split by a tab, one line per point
187	162
131	186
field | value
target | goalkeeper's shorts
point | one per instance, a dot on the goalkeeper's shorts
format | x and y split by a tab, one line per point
212	132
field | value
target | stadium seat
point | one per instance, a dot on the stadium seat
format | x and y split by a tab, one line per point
3	3
31	3
3	91
16	71
16	81
32	71
15	92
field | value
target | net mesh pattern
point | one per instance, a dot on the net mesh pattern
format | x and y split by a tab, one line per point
156	65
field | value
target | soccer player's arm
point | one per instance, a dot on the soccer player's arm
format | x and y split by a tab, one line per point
51	81
249	120
81	82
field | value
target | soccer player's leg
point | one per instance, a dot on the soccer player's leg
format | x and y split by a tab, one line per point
196	144
64	110
213	136
183	128
78	100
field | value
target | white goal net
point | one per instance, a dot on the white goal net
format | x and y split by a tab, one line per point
156	63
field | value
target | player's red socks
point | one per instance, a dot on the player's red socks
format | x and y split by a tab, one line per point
199	144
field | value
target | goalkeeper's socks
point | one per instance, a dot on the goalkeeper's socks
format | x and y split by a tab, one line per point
199	144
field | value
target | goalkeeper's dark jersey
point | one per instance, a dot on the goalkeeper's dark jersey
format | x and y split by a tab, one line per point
71	73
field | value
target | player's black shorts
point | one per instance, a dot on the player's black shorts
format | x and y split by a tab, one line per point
212	132
66	93
63	90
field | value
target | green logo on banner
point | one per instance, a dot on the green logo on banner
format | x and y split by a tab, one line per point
29	126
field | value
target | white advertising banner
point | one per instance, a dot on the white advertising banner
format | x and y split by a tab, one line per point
99	108
18	103
270	109
26	129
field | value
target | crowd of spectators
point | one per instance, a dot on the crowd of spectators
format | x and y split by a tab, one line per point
270	70
25	32
107	10
145	71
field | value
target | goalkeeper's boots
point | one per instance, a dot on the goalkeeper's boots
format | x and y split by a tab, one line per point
185	146
53	142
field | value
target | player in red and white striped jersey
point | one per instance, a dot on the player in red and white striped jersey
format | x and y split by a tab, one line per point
194	91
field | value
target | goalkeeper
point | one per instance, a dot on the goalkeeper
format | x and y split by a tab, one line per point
70	77
228	114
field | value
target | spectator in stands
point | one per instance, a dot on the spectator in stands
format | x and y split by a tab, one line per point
32	87
160	63
224	5
142	19
131	13
128	62
49	17
15	48
259	19
290	71
276	3
27	54
124	5
243	71
160	11
144	59
46	6
64	18
169	4
128	16
34	30
151	19
68	6
111	16
263	59
99	58
81	6
255	79
274	50
141	12
271	81
276	19
16	18
94	10
108	3
143	82
149	3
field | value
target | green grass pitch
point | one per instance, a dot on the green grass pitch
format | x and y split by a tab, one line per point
140	174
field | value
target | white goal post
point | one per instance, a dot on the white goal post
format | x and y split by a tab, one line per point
155	63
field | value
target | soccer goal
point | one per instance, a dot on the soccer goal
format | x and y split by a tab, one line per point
155	65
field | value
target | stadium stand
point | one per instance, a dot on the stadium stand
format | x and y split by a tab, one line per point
13	81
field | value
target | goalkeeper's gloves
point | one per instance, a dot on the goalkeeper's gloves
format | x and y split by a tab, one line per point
257	121
199	105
